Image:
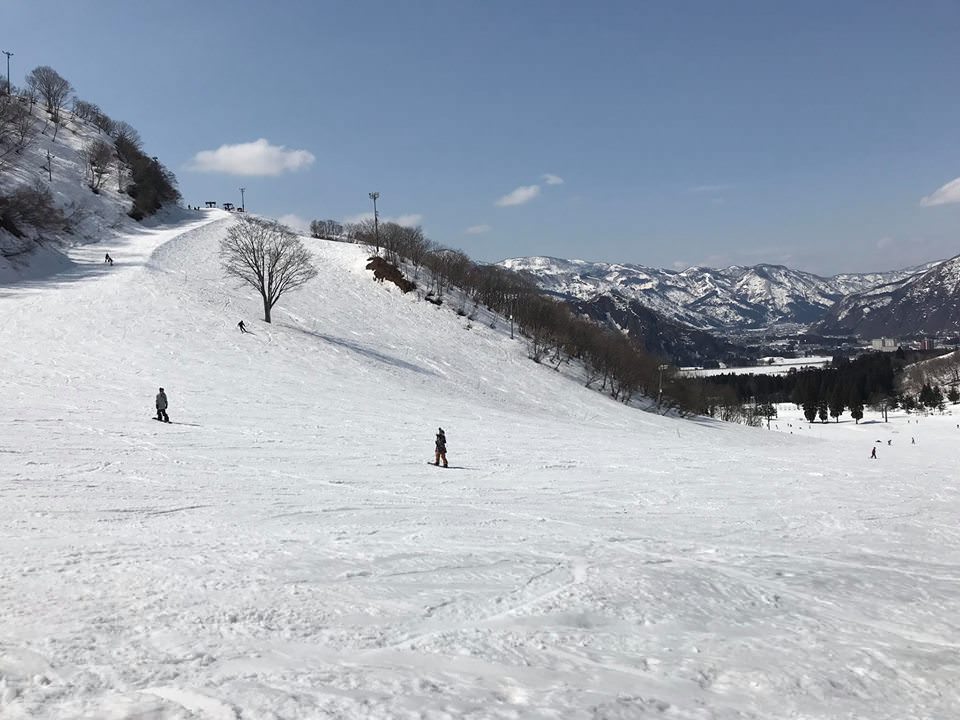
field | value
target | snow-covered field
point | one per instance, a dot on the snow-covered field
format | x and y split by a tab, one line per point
779	366
284	550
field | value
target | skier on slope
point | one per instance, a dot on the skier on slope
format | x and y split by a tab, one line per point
243	328
162	406
441	448
108	259
873	453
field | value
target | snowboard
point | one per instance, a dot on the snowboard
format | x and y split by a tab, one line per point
166	421
430	462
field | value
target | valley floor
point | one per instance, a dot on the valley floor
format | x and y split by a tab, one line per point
283	550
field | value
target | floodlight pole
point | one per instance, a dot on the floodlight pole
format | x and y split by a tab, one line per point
661	368
8	54
376	221
243	205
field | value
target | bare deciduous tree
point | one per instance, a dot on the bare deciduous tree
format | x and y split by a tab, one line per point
17	128
98	155
267	256
85	110
126	138
103	122
24	128
326	229
52	87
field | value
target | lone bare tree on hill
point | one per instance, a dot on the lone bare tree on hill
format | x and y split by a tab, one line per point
268	256
52	87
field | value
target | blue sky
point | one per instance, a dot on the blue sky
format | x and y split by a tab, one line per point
808	134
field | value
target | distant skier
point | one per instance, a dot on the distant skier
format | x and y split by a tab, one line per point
889	442
873	453
441	448
913	441
242	327
108	259
162	406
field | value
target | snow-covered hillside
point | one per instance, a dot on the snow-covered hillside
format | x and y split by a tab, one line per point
732	298
284	550
54	160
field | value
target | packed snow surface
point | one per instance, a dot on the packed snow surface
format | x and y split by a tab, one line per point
283	550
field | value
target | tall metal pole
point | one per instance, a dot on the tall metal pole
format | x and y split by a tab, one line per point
376	220
8	54
660	385
243	205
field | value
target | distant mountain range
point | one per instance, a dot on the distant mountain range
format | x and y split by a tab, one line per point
925	303
732	298
694	313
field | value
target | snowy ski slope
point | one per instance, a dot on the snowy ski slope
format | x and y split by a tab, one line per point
284	550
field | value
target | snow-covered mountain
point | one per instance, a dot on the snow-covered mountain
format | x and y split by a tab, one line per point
926	303
284	550
732	298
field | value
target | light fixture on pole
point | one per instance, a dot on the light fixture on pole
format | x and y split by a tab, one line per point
8	54
661	368
376	221
243	205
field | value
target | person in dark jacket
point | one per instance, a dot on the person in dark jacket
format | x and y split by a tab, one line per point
108	259
162	406
243	328
441	448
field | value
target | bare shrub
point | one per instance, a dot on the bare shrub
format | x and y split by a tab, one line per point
29	208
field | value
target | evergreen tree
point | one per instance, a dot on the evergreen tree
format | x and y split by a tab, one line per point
836	402
822	410
856	411
936	398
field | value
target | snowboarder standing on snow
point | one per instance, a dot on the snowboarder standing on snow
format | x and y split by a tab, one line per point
441	448
243	328
108	259
873	453
162	406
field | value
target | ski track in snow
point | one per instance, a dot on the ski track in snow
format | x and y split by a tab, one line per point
286	552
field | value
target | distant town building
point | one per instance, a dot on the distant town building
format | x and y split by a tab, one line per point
927	344
885	344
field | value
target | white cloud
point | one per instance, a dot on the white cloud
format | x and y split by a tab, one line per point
551	179
359	217
949	193
717	188
296	222
520	196
408	220
477	229
253	158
